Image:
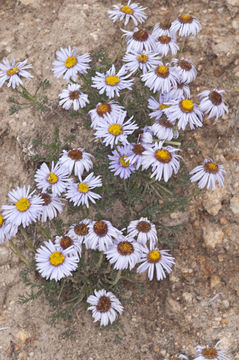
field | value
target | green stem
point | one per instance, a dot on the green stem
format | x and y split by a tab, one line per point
117	278
86	211
43	231
182	45
100	260
18	253
118	53
170	142
28	241
165	189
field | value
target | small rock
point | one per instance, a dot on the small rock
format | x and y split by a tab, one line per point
234	204
173	306
3	254
156	348
212	234
233	2
178	218
212	201
223	221
23	336
214	281
224	322
27	2
187	297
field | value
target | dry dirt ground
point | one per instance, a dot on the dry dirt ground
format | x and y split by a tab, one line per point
176	314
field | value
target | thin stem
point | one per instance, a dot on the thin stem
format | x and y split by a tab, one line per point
86	211
100	260
28	241
117	278
118	53
170	142
182	45
18	253
43	231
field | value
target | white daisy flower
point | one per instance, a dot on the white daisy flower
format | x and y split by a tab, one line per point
26	208
186	71
186	112
140	60
104	306
210	353
155	259
11	72
56	179
64	242
144	230
98	114
80	193
181	91
212	103
208	173
126	12
68	64
161	78
54	263
72	96
77	159
101	235
160	105
166	43
179	357
114	130
139	40
119	163
146	137
163	28
7	230
111	83
79	231
186	25
135	158
164	129
163	160
52	205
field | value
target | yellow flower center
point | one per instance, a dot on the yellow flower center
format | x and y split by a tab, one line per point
70	61
163	156
163	106
23	204
1	220
83	188
162	71
112	80
142	58
123	162
56	258
12	71
211	167
154	256
127	10
186	106
185	19
52	178
115	129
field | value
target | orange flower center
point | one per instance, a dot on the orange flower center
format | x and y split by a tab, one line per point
104	304
125	248
100	228
211	167
66	242
140	35
162	71
143	226
81	229
103	109
154	256
209	353
75	154
185	19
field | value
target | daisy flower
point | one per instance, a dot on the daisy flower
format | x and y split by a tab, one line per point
7	230
80	193
163	160
101	235
181	90
212	103
64	242
104	306
26	208
163	28
140	60
119	163
11	72
208	173
155	259
111	83
54	263
164	129
186	25
135	158
159	105
79	231
166	43
55	179
126	12
161	78
179	357
186	112
139	40
77	159
68	64
52	205
210	353
98	114
114	130
72	96
144	230
186	71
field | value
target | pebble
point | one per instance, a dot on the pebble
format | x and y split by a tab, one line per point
173	306
212	234
214	280
212	201
234	204
23	336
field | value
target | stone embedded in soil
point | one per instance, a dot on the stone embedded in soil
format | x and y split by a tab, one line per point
234	204
212	201
4	252
212	234
173	306
214	280
23	336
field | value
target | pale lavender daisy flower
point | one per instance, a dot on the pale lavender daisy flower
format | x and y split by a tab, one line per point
52	206
166	43
98	114
210	353
161	78
101	235
163	28
212	103
119	163
12	71
77	159
164	129
126	12
72	96
66	241
7	230
139	40
140	60
160	105
79	231
208	173
186	71
181	90
186	25
135	157
144	230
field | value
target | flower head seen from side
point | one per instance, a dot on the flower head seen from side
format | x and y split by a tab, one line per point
53	263
98	114
104	306
101	235
186	25
139	40
144	230
164	129
64	242
68	64
112	83
72	96
52	206
79	231
160	105
156	260
161	78
12	72
135	156
186	71
210	353
80	193
140	60
166	43
208	174
179	357
163	28
56	179
26	207
163	159
181	91
212	103
119	163
77	159
126	12
7	230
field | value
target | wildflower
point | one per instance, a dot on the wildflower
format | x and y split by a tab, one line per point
212	103
144	230
208	173
98	114
55	179
163	28
179	357
80	193
159	105
54	263
119	163
135	157
72	96
111	83
77	159
26	208
210	353
115	130
52	205
7	230
68	64
166	43
11	72
186	25
163	160
101	235
155	259
161	78
126	12
140	60
139	40
79	231
64	242
104	306
186	71
164	129
181	90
